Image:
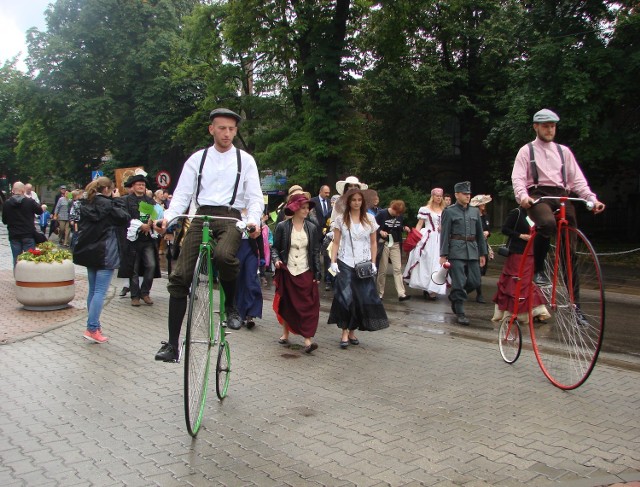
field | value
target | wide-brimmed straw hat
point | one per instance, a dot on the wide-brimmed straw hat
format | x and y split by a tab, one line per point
369	197
296	189
350	180
480	199
295	203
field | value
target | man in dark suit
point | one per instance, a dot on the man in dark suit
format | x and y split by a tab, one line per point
323	213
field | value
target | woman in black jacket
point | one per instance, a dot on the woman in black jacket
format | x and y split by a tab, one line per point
97	247
296	256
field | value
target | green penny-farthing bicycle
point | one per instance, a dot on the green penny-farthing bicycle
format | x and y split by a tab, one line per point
206	331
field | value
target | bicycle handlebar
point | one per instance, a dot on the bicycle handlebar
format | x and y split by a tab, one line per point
590	205
240	225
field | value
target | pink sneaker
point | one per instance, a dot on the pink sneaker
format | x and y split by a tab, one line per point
95	336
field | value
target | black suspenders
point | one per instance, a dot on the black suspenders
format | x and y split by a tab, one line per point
235	189
534	168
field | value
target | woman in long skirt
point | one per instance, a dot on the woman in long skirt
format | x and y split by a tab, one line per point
424	259
296	256
356	304
516	227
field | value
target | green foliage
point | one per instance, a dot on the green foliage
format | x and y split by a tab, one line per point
12	85
100	87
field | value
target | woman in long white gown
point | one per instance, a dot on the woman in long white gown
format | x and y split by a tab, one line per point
424	258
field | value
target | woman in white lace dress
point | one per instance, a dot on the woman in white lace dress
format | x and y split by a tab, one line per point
424	258
356	304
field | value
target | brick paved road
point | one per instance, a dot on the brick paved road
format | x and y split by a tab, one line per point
416	404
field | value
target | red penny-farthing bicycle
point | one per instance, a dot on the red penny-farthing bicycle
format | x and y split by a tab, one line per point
568	343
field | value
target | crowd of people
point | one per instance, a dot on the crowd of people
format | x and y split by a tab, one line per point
344	241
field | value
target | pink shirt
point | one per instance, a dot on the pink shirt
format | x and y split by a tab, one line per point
549	167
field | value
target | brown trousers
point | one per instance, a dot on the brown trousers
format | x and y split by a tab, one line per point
542	214
228	238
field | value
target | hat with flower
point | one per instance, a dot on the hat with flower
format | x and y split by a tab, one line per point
295	203
480	199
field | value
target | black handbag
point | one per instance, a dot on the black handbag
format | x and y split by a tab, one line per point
503	250
364	270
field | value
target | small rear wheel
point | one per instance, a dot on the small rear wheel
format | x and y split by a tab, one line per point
510	340
223	369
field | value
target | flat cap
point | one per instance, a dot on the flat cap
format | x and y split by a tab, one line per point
545	115
224	112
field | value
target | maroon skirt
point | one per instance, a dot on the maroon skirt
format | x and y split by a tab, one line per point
505	296
297	302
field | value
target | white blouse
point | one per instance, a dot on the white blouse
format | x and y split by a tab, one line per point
361	236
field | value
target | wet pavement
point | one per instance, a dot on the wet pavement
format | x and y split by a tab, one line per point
425	402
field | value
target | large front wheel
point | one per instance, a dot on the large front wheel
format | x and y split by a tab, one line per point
198	343
568	344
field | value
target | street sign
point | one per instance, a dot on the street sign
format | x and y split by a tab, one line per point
96	174
163	179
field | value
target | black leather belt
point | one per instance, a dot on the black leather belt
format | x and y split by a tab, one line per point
547	191
218	210
468	238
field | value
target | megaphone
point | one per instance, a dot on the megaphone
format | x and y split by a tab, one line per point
440	277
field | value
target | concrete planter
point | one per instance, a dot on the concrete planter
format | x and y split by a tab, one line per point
42	286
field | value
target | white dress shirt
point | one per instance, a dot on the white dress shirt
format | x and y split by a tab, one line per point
217	184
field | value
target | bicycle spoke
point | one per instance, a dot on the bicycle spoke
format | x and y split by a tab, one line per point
223	369
509	340
567	346
197	346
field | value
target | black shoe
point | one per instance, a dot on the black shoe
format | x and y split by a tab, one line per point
541	279
250	322
124	292
581	320
167	353
463	320
310	348
404	298
480	299
327	287
233	319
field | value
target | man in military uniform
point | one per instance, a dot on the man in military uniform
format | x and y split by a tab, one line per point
462	243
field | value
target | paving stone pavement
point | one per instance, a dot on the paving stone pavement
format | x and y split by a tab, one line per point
416	404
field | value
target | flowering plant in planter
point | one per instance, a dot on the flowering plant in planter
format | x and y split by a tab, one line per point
45	252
